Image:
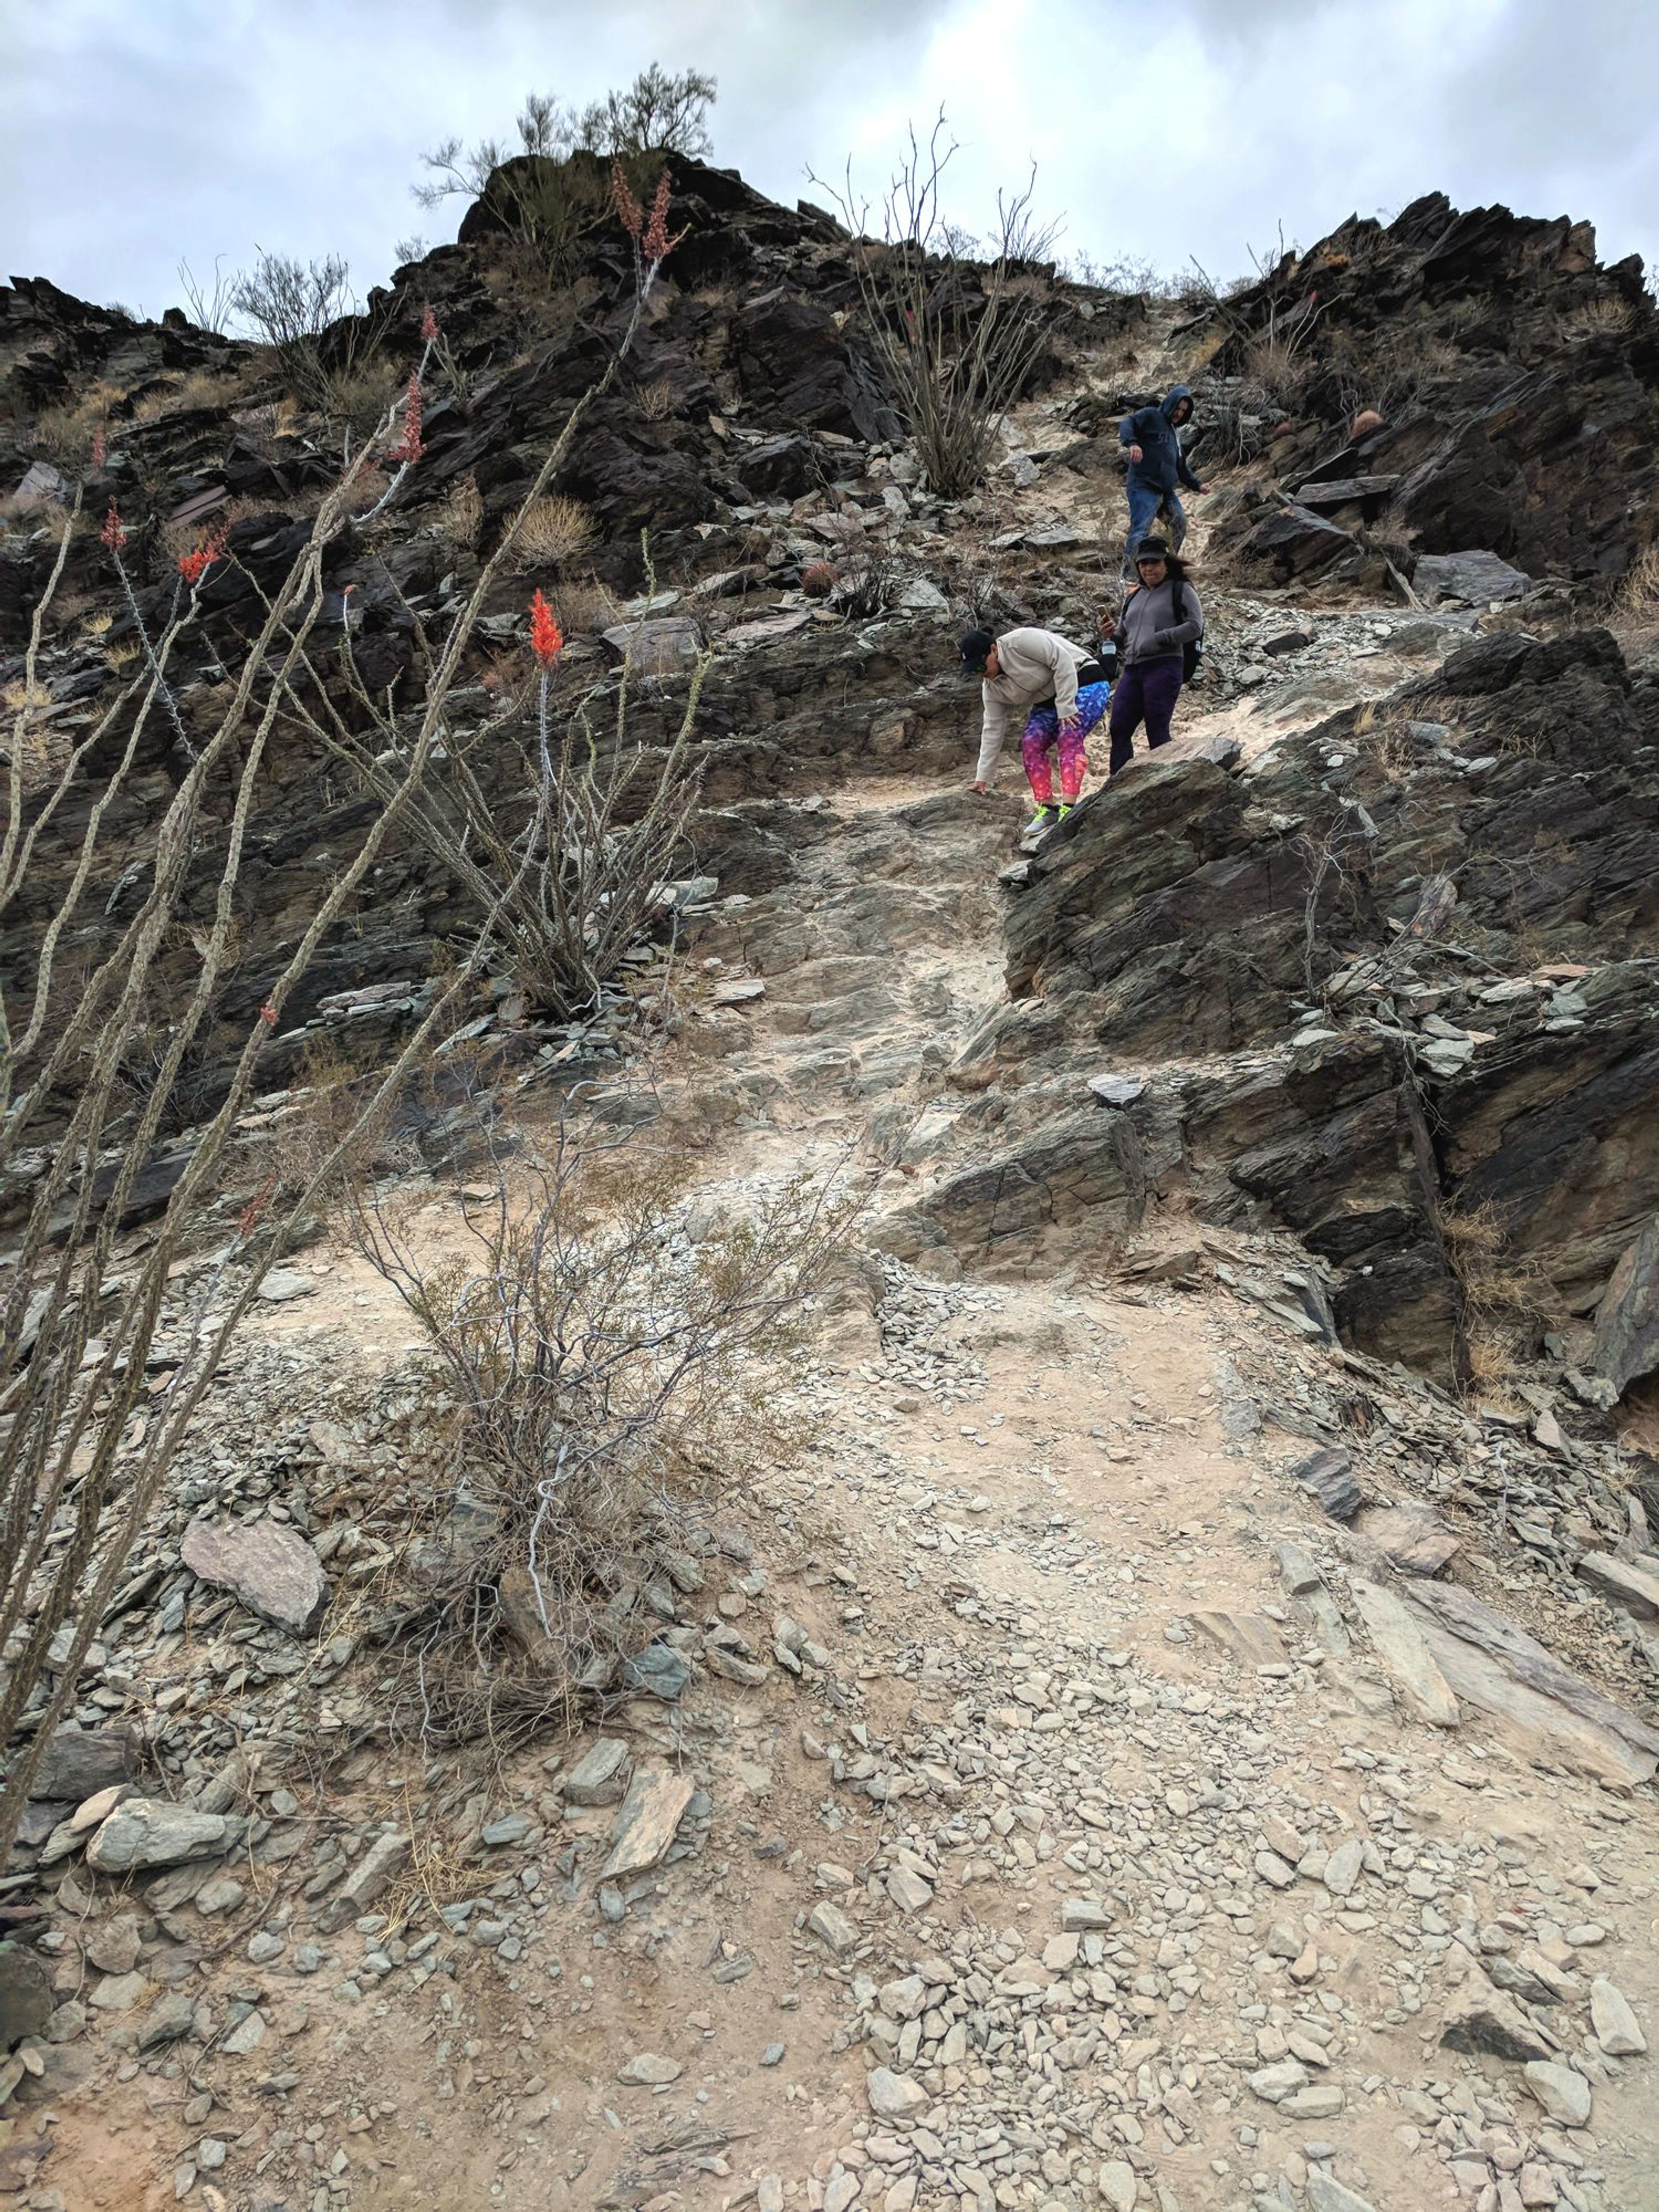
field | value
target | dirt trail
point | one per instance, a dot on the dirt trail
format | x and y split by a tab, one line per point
1073	1859
1071	1737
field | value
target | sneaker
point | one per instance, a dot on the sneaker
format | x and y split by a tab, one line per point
1068	806
1042	819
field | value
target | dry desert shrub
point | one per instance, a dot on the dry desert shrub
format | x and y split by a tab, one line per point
460	518
63	434
1603	318
608	1371
1506	1296
551	531
656	401
1637	599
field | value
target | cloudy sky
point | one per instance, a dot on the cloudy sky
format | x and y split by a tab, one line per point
142	133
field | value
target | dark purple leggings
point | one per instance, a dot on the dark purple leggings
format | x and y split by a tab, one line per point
1147	689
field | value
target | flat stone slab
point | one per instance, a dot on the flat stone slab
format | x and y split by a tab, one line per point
1475	577
267	1565
1250	1637
1616	2029
1565	2095
1400	1643
1491	1663
1635	1588
147	1831
651	1814
369	1880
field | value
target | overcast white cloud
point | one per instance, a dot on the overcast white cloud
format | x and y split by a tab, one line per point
140	135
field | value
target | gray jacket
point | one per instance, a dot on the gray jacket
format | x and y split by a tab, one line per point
1149	628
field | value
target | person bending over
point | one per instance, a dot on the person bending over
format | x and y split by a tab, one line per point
1058	689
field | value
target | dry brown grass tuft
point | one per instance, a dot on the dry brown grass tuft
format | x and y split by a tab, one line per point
1603	318
1507	1297
1637	599
585	608
461	516
204	388
64	433
656	401
29	515
357	399
554	530
1279	367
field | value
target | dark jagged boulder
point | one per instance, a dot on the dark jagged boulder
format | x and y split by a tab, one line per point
1517	378
1250	939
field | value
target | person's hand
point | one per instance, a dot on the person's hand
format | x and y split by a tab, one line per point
1072	729
1134	452
981	788
1109	625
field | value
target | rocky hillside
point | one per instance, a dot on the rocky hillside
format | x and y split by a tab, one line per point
1180	1730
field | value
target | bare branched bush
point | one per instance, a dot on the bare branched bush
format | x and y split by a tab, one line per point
659	113
550	191
211	305
954	332
290	303
552	531
292	306
609	1369
655	400
573	866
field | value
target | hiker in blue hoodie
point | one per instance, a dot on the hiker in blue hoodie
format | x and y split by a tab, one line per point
1157	466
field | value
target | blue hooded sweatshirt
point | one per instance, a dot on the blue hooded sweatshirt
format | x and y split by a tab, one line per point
1162	464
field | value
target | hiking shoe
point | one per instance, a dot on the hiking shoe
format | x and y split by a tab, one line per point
1068	807
1042	819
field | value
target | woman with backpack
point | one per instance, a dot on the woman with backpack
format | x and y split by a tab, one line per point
1156	634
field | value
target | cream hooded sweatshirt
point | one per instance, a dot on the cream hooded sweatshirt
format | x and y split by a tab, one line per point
1034	665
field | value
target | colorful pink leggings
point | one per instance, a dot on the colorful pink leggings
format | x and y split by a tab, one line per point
1044	733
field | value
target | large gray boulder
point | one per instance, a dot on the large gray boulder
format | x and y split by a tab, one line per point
1474	580
79	1762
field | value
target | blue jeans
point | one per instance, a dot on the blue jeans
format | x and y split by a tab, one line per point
1146	502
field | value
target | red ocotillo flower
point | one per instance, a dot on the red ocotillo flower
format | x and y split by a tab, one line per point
428	323
113	533
194	565
253	1212
657	245
546	638
628	211
409	447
